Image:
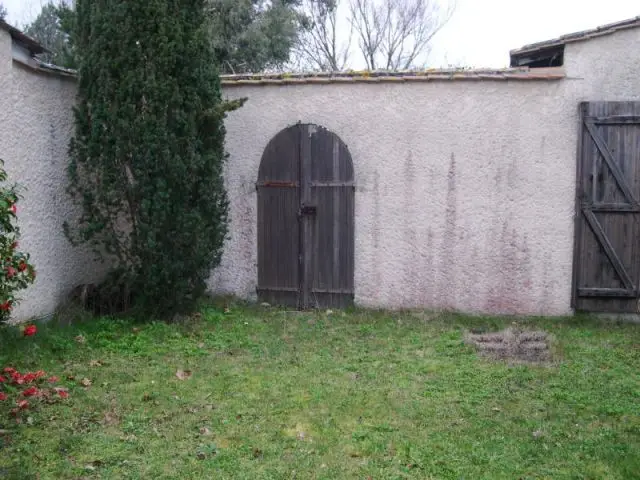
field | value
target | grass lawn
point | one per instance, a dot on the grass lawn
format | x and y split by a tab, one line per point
276	394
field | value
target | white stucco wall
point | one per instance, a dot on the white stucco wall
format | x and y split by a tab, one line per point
465	190
36	123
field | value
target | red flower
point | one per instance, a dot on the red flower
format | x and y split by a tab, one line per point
14	245
13	209
22	267
40	374
3	396
16	378
22	404
31	392
63	393
29	377
53	379
11	272
6	306
3	379
30	331
9	370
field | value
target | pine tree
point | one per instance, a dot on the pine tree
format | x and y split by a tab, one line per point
147	156
53	29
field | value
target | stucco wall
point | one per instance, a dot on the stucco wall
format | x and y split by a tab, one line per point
606	68
36	123
465	190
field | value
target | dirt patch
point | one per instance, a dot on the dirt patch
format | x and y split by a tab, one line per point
111	417
513	345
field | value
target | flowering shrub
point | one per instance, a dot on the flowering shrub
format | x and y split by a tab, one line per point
16	273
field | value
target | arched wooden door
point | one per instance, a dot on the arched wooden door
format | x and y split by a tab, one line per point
306	220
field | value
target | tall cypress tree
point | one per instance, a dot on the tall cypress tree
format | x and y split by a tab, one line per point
147	156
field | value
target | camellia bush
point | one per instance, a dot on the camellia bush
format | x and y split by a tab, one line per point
16	272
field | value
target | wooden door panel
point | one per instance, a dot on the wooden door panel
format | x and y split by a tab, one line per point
332	191
607	260
278	262
334	240
278	226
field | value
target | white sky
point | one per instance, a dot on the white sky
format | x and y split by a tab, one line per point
481	32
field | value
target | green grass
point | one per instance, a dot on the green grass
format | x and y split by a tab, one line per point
310	395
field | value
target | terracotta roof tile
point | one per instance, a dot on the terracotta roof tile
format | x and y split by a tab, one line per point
580	36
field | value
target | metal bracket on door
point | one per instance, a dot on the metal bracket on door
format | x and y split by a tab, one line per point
307	210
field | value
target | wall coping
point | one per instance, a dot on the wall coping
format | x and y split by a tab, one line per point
518	74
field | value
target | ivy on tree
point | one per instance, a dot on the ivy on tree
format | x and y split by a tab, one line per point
147	156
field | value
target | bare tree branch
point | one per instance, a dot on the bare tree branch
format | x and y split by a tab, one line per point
394	34
390	34
319	44
370	20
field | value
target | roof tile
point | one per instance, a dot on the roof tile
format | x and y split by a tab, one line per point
580	36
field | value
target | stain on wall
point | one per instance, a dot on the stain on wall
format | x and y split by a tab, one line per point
451	238
465	190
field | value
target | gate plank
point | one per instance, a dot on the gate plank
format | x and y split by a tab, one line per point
307	221
606	292
615	120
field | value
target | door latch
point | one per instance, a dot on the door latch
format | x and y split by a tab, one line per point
307	210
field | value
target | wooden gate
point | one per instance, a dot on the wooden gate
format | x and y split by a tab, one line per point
607	244
306	220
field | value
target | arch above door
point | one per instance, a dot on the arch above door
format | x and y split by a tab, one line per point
306	218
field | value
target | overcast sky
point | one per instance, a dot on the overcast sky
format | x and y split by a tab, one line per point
482	32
